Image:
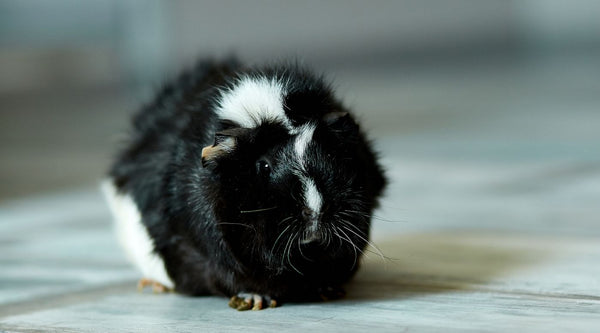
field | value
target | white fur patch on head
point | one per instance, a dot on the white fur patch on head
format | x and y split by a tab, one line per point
133	236
305	134
312	196
253	100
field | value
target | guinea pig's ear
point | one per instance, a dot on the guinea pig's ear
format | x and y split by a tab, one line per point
226	142
335	116
341	122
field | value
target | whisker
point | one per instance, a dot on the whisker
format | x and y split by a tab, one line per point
300	250
347	238
347	224
279	237
386	220
284	220
289	250
349	213
354	247
371	244
354	214
257	210
239	224
328	236
283	255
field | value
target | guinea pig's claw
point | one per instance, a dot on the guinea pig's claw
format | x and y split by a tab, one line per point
247	301
157	288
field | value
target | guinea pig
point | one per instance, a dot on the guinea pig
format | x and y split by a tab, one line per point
252	183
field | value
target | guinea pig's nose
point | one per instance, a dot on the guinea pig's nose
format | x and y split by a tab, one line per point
309	214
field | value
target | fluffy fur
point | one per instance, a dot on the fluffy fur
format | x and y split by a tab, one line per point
133	236
250	180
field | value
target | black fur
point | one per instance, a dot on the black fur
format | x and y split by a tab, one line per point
236	224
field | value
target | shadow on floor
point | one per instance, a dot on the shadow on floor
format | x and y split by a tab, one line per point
426	263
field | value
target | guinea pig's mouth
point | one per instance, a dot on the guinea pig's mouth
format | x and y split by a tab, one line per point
311	236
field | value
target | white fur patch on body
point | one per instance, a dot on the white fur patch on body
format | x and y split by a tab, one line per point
133	236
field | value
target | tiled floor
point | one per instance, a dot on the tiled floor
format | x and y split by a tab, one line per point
491	222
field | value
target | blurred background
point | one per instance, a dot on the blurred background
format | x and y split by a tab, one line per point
486	81
486	115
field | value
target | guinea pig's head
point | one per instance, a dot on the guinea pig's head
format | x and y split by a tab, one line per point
292	178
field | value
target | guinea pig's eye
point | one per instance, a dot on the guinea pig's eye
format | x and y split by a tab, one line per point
263	168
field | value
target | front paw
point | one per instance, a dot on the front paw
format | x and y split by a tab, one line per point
247	301
331	293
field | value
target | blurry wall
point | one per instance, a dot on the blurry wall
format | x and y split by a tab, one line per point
100	41
551	24
70	69
74	42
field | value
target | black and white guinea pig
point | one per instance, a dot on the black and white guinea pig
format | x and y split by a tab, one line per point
256	184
